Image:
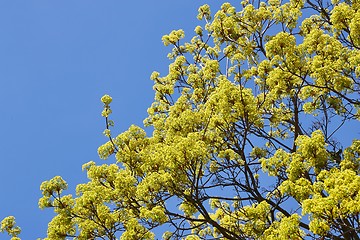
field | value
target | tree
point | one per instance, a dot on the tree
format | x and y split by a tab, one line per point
245	135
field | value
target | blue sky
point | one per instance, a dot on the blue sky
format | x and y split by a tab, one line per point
57	58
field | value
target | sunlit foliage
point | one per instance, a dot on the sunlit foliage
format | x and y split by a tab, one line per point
248	138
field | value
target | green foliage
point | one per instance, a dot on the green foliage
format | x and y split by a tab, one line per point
8	225
244	135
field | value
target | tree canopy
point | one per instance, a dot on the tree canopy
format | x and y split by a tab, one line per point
248	135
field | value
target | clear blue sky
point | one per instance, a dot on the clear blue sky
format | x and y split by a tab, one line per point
57	58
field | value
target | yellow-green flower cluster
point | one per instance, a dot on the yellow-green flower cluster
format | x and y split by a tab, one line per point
8	225
173	37
106	99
